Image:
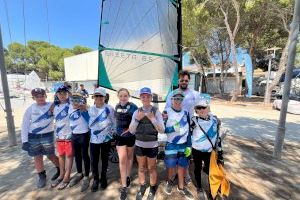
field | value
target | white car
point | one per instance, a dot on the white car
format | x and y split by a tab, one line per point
293	106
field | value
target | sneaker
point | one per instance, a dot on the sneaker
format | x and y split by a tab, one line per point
85	184
42	179
141	192
186	193
168	187
128	180
152	192
56	175
95	185
75	179
201	194
188	180
123	193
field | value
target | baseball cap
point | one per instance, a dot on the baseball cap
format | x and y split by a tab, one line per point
37	91
99	91
62	88
145	90
177	93
202	102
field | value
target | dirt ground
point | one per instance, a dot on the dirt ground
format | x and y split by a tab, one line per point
251	169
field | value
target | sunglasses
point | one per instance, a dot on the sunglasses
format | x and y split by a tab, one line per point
76	100
177	99
200	107
98	96
183	80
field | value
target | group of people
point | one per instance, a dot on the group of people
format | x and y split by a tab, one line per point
84	133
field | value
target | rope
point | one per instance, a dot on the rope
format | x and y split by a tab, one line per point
7	19
48	26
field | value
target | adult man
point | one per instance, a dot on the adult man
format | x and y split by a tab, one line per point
83	91
190	96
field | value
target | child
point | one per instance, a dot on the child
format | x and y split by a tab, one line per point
102	124
79	118
178	144
124	139
146	122
38	136
63	135
204	139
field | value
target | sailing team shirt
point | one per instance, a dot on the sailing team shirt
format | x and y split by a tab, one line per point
78	121
37	120
191	97
102	123
199	140
177	126
62	124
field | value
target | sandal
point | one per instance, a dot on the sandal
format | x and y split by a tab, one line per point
63	185
56	182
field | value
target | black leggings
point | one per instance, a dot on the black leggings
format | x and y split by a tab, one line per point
95	153
81	152
198	157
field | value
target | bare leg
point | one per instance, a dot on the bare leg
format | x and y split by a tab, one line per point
61	166
130	151
181	174
54	160
68	168
151	163
39	163
122	153
142	160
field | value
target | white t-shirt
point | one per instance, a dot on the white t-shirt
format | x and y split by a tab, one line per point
37	120
78	121
102	123
62	122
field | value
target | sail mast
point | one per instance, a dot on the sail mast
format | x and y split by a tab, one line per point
179	40
99	44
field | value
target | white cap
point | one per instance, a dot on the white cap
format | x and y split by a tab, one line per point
100	91
202	102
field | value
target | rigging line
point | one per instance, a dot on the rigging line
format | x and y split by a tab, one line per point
134	68
126	20
133	30
7	19
118	12
116	67
48	26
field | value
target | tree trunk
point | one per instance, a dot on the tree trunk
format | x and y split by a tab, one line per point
281	70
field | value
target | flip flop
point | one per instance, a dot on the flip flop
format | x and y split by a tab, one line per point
56	182
63	185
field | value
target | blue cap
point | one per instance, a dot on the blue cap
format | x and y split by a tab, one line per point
145	90
62	88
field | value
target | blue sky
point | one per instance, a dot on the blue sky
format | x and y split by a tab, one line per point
72	22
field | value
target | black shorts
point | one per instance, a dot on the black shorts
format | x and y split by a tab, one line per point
148	152
128	141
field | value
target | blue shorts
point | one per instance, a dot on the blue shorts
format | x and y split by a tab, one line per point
174	155
41	144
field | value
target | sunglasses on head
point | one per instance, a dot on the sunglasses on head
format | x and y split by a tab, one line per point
177	99
184	80
200	107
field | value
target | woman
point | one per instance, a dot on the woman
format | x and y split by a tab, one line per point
146	122
124	139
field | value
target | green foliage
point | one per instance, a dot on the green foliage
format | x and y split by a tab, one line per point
44	58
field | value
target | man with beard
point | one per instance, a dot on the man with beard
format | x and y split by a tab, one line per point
191	97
